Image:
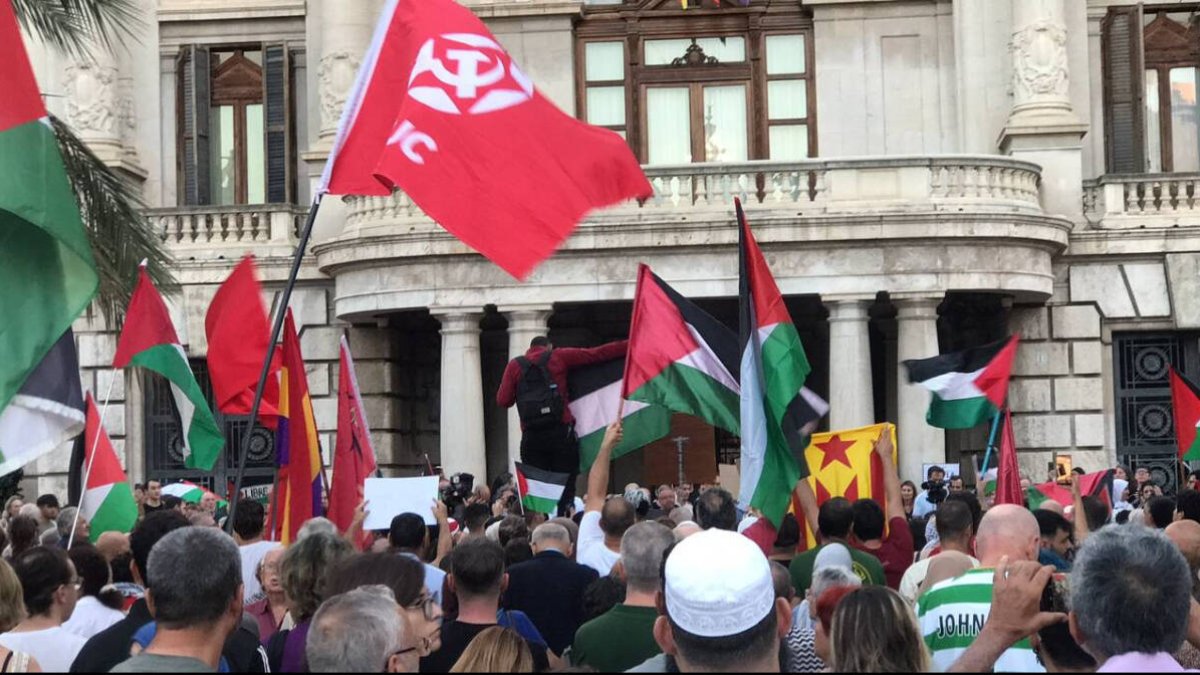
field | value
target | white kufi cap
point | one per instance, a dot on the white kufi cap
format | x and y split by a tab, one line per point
718	583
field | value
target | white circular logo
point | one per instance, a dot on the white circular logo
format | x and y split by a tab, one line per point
480	78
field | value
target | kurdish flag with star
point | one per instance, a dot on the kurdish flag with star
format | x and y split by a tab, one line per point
776	415
1185	401
680	357
844	464
149	340
969	386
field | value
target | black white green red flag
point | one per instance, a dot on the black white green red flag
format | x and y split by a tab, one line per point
595	395
776	417
107	502
969	386
1185	401
680	357
540	490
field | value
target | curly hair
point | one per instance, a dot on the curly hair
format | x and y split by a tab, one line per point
302	570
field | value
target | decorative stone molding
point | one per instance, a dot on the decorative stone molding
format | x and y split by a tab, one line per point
93	105
1039	52
335	76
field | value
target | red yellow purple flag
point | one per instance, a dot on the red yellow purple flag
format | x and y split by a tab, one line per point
298	454
844	464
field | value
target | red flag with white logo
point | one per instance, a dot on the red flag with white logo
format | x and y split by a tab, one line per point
441	111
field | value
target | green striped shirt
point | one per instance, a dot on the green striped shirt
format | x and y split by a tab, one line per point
952	614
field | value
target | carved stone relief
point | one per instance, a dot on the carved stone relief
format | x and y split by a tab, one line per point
335	77
92	99
1040	61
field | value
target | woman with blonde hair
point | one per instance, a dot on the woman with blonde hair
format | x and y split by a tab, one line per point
496	650
12	612
875	631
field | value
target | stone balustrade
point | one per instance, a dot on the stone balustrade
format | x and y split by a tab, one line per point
1143	201
233	226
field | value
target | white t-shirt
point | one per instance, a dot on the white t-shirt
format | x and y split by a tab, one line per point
54	649
591	550
91	617
252	554
910	583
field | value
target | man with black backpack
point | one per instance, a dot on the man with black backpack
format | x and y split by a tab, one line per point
537	384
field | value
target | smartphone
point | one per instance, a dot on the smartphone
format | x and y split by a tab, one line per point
1056	593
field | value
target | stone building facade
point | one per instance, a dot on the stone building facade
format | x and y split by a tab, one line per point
923	175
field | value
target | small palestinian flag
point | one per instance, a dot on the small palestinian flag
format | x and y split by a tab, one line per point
107	502
1098	485
595	394
680	357
968	386
1185	399
190	492
540	490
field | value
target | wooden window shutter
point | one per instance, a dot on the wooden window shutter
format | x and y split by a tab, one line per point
194	73
277	114
1124	90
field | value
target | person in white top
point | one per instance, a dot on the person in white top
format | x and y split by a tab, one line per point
50	589
248	524
955	527
97	608
604	521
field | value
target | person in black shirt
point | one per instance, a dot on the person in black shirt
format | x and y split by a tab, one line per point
153	501
477	580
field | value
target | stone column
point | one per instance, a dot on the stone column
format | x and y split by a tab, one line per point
346	31
524	324
917	338
1043	126
461	423
851	399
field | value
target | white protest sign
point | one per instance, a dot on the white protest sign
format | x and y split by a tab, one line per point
389	497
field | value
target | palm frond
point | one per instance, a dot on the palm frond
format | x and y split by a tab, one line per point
75	26
120	235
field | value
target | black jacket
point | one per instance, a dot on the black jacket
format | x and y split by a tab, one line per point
549	589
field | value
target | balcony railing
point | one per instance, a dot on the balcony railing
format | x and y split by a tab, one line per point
1129	200
208	226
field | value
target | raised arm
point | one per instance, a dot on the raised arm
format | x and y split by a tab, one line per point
572	356
808	504
445	540
597	488
1081	524
891	478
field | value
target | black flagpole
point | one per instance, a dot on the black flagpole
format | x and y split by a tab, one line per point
281	311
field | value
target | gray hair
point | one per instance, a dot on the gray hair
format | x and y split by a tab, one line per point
193	576
1130	592
302	570
66	521
642	549
315	525
681	514
551	532
355	632
832	577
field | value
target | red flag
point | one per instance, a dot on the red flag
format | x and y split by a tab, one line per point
22	99
353	458
441	111
238	336
296	449
1008	476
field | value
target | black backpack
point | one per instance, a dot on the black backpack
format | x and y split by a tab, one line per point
539	404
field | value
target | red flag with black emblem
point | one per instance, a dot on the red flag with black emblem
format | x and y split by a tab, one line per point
441	111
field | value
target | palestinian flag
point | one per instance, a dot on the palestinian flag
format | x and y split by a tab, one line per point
190	492
149	340
968	386
1185	400
107	501
47	411
47	272
540	490
775	417
595	395
680	357
1098	485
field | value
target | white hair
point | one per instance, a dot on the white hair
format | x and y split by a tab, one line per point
355	632
551	532
318	524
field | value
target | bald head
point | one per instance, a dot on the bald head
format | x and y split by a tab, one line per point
113	545
685	529
1007	530
1185	534
616	517
1051	505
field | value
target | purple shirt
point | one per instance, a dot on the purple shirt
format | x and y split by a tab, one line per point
295	660
1142	663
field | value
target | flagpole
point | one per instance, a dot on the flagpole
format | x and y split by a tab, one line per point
517	487
87	472
276	330
987	456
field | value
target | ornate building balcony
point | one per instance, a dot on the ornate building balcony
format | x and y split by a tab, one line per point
1140	214
839	227
198	233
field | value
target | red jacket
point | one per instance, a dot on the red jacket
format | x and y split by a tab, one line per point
562	360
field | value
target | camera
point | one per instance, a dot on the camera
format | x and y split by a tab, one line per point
935	491
459	490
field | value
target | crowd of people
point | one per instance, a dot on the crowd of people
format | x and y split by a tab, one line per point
669	580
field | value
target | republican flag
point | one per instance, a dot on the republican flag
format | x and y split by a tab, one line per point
148	339
776	416
353	456
1185	401
297	452
1008	475
47	272
845	464
441	111
968	386
107	501
541	490
595	395
238	339
680	357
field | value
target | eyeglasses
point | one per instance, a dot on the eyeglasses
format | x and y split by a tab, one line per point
427	605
